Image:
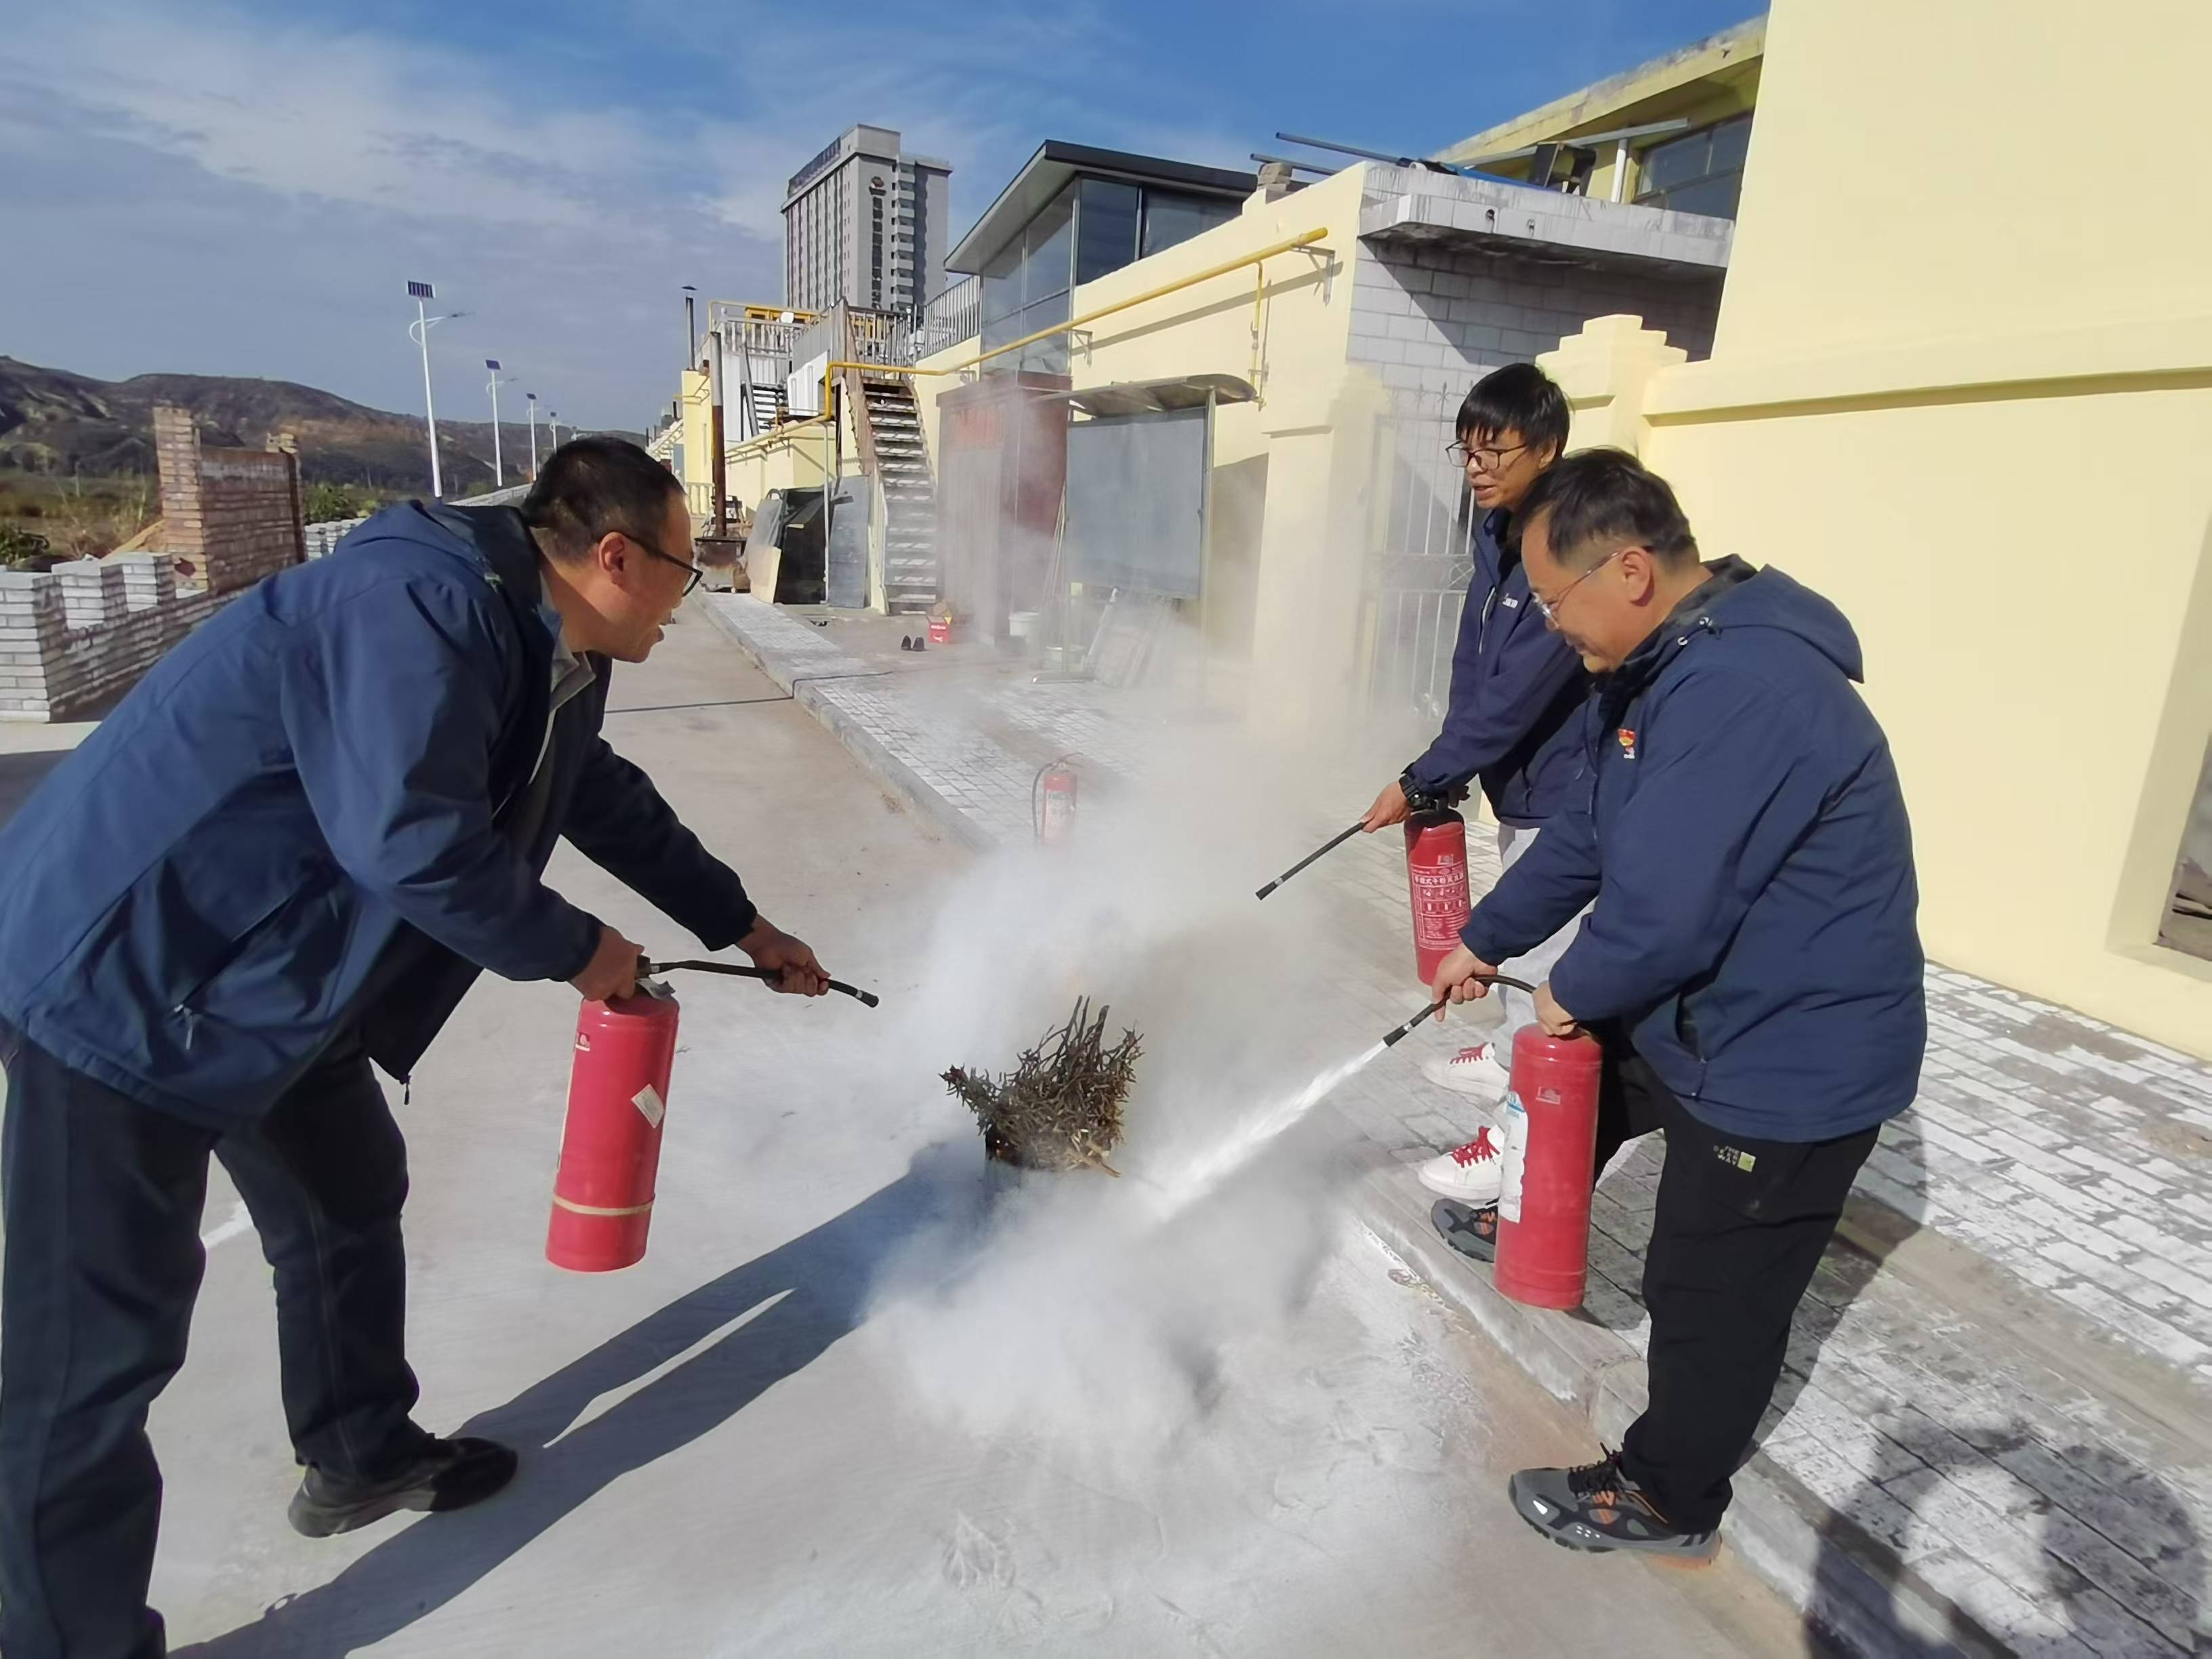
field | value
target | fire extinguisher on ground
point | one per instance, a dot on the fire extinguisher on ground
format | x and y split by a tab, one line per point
1052	802
1546	1173
1436	879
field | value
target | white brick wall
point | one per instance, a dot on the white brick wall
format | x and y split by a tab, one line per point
1432	320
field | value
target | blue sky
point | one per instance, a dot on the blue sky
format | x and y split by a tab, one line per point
245	188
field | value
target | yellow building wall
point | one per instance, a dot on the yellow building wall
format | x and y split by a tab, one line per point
695	398
794	457
1963	386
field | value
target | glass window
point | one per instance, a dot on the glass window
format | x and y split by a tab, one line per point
1701	172
1169	218
1048	249
1106	229
1002	285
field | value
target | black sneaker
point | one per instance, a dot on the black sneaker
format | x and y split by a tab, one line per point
1471	1231
1597	1508
450	1474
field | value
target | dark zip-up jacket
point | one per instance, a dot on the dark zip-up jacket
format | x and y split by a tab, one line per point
1743	835
315	815
1517	690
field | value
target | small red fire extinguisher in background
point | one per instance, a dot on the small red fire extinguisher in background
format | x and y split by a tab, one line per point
1550	1142
1052	802
610	1139
1436	878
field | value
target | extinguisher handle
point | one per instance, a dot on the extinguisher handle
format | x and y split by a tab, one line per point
866	998
1406	1030
1328	846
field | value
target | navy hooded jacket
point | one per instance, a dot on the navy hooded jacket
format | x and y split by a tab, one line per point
1741	831
1517	692
313	815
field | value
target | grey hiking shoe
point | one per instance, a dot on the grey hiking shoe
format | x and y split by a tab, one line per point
1471	1230
448	1475
1597	1508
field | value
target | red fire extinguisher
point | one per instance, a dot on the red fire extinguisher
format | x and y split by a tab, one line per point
611	1141
1435	877
1052	802
1551	1139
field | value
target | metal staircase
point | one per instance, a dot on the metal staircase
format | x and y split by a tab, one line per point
898	459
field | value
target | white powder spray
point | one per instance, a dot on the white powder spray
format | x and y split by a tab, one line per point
1094	1314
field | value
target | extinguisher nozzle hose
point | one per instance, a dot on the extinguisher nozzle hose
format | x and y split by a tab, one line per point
1406	1030
866	999
1328	846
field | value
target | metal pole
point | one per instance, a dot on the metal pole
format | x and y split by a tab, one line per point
533	398
498	464
691	328
555	417
714	433
421	332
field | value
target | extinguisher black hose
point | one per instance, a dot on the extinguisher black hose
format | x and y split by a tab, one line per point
1328	846
1406	1030
868	999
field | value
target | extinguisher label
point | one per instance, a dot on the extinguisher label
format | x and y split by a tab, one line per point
649	1102
1515	1159
1440	903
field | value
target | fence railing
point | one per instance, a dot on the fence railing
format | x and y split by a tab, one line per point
1418	567
953	316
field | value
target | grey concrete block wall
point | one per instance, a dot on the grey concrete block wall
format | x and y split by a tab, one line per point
1430	319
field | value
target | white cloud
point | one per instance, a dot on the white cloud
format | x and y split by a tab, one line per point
231	192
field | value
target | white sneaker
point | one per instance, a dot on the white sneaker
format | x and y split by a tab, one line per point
1481	1070
1469	1173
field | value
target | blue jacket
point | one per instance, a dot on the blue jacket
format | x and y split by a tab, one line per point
1742	832
1517	692
313	815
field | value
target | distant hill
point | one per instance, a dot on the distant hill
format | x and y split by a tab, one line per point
54	422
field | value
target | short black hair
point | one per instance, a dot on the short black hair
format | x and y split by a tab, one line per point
1518	397
591	486
1597	496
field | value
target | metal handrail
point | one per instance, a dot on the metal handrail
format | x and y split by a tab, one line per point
1308	239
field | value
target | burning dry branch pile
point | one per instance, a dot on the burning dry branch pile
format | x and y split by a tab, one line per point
1061	1107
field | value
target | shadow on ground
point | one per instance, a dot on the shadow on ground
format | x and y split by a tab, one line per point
2073	1614
803	1296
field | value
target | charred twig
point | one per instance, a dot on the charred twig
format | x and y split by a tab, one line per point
1061	1107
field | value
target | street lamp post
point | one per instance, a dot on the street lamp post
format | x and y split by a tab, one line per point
533	398
555	417
498	465
419	331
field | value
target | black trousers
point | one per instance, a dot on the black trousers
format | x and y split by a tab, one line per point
1739	1228
102	1207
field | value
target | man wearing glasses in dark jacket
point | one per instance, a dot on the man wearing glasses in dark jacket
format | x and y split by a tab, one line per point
1517	690
285	856
1751	963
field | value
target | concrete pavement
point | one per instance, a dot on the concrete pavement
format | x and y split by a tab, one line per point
829	1413
1992	1434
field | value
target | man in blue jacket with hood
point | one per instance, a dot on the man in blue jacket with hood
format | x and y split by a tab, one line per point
1516	689
1751	963
284	857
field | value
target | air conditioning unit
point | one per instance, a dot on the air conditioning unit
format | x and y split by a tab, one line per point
802	388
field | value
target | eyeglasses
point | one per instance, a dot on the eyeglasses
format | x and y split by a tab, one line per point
651	551
1549	608
1488	457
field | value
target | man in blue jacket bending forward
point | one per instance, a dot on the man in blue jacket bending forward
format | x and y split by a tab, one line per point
286	856
1750	963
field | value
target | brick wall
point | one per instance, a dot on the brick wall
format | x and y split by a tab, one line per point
234	514
1431	320
73	639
